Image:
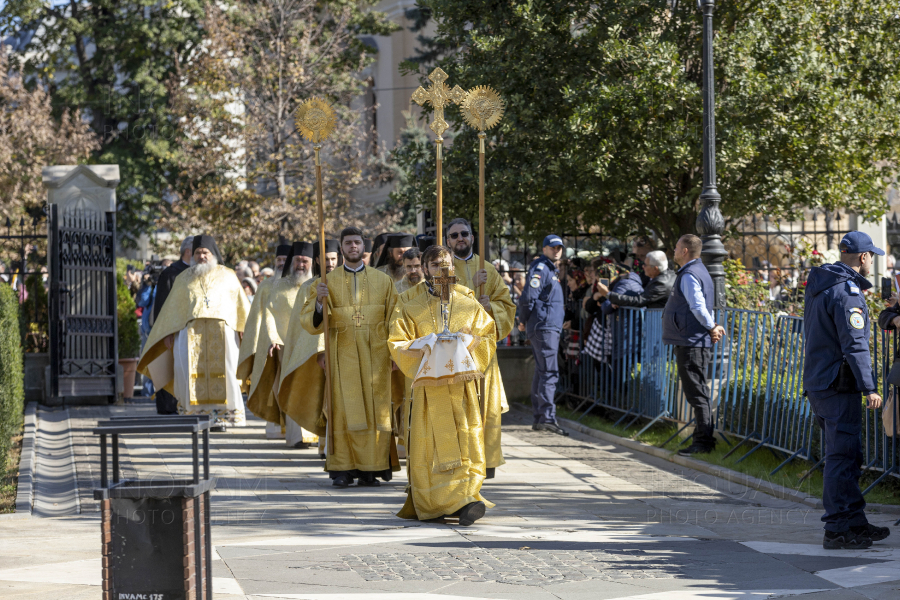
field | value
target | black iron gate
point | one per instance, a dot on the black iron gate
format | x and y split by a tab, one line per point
83	331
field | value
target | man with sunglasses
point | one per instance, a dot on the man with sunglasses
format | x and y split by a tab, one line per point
497	302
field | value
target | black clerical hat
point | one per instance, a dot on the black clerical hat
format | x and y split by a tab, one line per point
297	249
283	250
368	245
401	240
209	242
425	241
379	240
330	246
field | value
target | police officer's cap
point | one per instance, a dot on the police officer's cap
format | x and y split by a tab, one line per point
553	240
857	242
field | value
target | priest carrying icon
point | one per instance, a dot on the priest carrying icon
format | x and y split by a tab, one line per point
193	347
444	340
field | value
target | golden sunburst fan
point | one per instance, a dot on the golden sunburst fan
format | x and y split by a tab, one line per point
316	119
482	108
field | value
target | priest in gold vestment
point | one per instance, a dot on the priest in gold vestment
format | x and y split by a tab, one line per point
192	349
279	308
360	301
497	301
445	438
253	354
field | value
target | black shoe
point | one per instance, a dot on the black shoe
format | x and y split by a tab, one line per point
302	446
552	428
471	513
873	532
217	428
535	427
342	481
368	483
845	540
694	449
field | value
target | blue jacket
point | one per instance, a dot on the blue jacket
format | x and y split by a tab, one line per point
836	328
145	299
680	326
627	285
542	304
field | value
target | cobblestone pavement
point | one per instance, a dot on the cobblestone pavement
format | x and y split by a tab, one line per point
576	519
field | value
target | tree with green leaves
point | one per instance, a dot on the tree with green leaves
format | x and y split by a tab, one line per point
111	60
603	122
244	172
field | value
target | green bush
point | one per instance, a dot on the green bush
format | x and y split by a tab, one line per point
33	317
129	332
12	379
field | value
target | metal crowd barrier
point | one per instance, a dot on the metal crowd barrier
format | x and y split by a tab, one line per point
756	379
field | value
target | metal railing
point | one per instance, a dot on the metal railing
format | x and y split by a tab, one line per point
756	381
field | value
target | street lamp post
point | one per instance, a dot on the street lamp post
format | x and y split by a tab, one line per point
710	224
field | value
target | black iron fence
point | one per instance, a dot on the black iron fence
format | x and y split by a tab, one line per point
23	265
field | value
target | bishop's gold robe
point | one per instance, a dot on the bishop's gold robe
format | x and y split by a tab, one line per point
205	314
445	438
360	306
301	385
503	311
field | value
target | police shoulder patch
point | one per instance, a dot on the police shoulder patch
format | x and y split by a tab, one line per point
540	267
853	290
856	309
856	320
535	282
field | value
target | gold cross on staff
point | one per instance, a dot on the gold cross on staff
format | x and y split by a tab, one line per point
445	282
358	317
438	95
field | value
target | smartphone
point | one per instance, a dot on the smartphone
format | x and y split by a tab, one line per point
604	281
886	288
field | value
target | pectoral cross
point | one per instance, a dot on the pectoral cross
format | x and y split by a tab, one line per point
358	317
206	299
438	95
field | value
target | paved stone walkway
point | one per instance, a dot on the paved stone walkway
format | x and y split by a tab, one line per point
576	519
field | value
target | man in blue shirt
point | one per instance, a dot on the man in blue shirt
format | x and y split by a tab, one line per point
542	309
837	370
688	324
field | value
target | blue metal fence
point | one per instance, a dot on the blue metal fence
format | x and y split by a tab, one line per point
756	379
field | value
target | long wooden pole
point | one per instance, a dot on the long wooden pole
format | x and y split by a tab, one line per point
481	228
440	192
481	222
329	422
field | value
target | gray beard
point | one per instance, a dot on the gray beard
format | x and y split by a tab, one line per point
201	270
298	278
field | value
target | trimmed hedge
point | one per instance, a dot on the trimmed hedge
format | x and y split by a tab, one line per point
12	378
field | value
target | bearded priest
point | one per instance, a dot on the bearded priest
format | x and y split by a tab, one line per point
193	347
443	339
391	260
359	301
498	303
301	385
262	397
251	355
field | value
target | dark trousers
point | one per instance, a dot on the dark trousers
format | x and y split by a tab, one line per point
545	347
166	403
840	417
693	364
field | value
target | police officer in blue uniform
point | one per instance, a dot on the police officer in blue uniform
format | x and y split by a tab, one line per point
542	308
837	369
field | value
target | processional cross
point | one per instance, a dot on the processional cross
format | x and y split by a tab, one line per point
439	95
